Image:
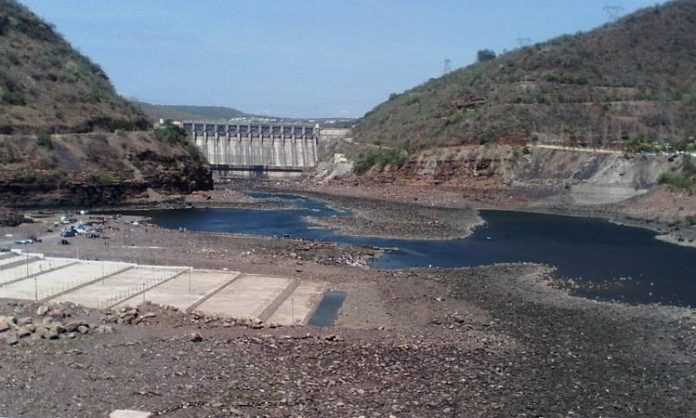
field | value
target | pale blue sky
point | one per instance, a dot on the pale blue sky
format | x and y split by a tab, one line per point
301	58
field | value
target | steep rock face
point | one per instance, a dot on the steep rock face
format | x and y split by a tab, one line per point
585	177
629	80
94	169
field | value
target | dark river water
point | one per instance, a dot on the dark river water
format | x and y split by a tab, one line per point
608	261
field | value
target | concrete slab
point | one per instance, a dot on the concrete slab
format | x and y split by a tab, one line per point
8	258
247	297
297	308
49	284
129	413
184	291
102	284
104	293
38	266
8	254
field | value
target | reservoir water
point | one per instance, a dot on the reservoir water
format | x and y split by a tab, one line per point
607	261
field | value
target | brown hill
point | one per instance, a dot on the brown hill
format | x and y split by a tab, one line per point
46	85
66	137
631	81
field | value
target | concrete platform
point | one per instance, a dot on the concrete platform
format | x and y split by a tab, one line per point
246	297
8	258
106	284
185	290
299	305
58	281
118	287
34	267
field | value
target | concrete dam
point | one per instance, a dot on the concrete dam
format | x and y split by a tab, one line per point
256	150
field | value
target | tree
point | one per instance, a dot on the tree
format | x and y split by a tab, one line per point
171	134
485	55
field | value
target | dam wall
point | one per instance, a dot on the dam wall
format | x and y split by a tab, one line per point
255	149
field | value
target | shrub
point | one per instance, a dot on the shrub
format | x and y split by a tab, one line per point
26	176
676	181
380	158
691	220
44	140
171	134
98	178
688	166
176	135
485	55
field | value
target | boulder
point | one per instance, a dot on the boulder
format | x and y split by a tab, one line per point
11	339
4	324
49	334
105	329
23	333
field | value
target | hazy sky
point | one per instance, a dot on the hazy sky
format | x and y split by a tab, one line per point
301	57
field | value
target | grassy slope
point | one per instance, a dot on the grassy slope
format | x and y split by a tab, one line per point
627	80
47	85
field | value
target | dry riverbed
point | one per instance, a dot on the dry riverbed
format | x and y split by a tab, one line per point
490	341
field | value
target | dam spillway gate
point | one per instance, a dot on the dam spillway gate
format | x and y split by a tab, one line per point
255	150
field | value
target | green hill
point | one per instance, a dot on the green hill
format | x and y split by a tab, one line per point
45	84
631	81
156	112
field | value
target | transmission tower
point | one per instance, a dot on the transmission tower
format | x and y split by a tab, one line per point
613	11
447	67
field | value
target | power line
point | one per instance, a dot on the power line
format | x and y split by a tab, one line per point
447	68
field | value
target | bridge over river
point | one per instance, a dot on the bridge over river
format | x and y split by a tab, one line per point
255	149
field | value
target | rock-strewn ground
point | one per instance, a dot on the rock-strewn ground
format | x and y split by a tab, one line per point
482	342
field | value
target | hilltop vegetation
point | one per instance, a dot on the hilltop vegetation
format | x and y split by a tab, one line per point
156	112
629	81
46	85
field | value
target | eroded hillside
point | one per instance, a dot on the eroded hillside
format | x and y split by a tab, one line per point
629	81
66	137
95	169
